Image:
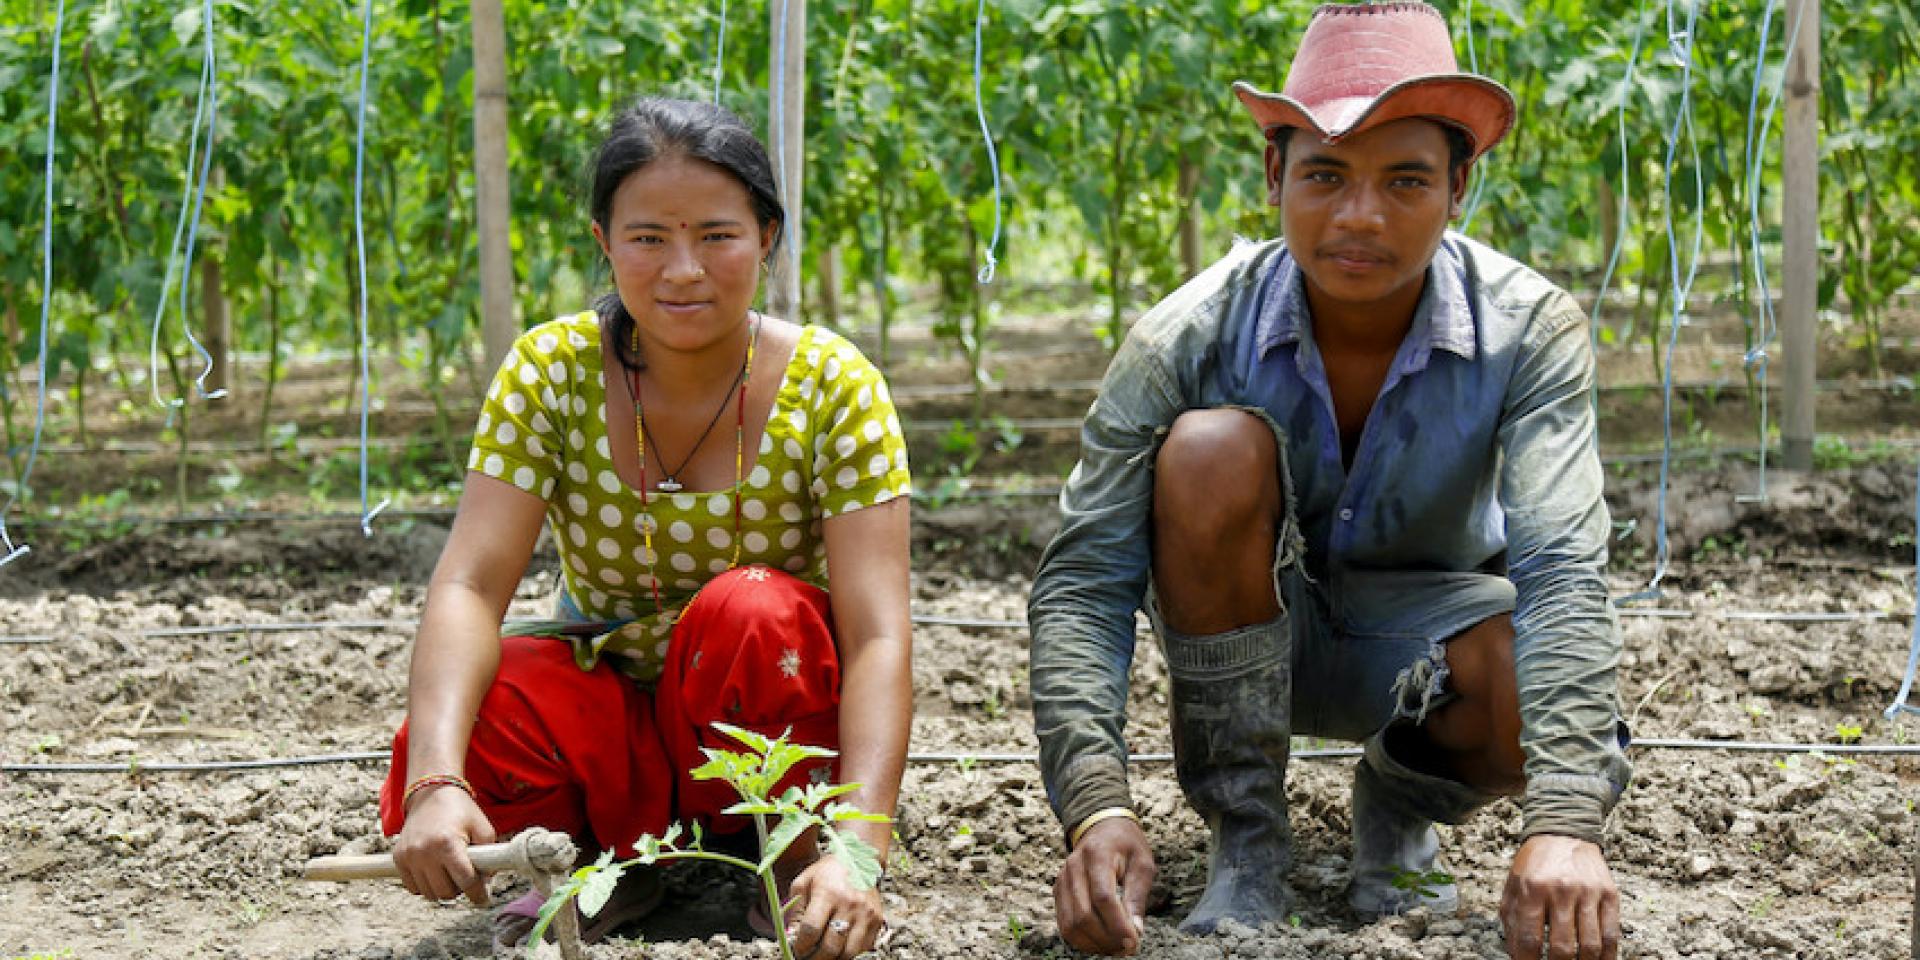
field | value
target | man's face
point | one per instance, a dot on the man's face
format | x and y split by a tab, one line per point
1364	216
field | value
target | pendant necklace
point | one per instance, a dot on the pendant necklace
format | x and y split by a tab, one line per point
671	485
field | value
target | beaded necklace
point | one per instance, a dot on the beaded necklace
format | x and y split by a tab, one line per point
739	459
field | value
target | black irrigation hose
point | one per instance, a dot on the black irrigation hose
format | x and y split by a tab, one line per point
1326	753
969	623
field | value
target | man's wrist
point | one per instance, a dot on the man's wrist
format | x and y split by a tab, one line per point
1090	820
1566	805
1089	784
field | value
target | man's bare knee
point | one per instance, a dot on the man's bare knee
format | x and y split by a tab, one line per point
1217	467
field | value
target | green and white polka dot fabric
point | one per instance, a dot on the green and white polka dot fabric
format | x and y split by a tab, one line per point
832	444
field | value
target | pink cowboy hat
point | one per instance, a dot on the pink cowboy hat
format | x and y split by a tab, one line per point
1362	65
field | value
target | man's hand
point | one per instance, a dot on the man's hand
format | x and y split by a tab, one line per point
1100	899
1561	898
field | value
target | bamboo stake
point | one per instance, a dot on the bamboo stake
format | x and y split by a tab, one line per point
1801	240
494	215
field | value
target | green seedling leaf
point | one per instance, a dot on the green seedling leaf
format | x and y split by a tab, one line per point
784	834
551	909
750	807
598	888
720	765
843	812
758	743
783	756
818	793
858	856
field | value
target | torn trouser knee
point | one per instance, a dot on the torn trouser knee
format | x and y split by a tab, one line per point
1421	688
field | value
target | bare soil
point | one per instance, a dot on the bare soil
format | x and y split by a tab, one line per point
1719	854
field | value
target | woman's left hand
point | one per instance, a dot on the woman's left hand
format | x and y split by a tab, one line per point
835	920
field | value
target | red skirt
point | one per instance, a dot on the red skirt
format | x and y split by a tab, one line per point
597	756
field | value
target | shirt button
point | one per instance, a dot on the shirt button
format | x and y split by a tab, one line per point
1346	513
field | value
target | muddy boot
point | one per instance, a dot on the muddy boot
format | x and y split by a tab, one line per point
1232	694
1395	847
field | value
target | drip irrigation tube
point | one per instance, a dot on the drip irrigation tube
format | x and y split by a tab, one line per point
965	623
1320	753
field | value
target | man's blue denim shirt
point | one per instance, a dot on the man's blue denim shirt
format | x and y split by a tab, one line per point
1479	455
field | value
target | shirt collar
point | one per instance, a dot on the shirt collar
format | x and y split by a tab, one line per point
1443	319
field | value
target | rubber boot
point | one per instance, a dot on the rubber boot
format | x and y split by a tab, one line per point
1395	846
1232	694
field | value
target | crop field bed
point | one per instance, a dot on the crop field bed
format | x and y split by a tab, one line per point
1720	854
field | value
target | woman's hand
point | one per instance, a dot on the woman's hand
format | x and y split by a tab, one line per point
835	920
431	851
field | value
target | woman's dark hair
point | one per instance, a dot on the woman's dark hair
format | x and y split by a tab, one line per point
656	127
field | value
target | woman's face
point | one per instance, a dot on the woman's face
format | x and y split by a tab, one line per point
686	249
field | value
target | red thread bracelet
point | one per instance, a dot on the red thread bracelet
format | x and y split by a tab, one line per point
433	780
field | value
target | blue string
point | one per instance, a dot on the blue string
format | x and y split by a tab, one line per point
720	51
360	245
993	158
1756	357
1680	44
1900	704
15	552
1626	192
199	200
205	109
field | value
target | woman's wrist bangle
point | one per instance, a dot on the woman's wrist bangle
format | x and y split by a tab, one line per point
421	784
1073	839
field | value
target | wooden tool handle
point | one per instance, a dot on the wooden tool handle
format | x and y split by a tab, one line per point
487	858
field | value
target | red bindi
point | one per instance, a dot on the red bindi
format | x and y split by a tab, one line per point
683	224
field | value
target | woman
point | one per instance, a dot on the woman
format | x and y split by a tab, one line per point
702	466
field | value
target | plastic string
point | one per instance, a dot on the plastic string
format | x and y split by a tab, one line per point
720	52
963	759
1680	44
16	551
1626	193
1913	651
993	157
360	249
206	109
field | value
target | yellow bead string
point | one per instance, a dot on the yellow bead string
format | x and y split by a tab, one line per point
739	461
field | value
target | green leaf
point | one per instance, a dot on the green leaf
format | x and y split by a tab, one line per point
603	47
754	741
269	92
186	24
720	765
750	807
598	888
858	856
784	834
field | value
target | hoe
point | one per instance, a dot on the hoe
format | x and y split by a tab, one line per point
541	856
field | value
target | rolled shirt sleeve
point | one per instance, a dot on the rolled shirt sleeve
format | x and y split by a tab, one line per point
1566	641
1091	581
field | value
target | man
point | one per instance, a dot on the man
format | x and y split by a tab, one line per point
1352	478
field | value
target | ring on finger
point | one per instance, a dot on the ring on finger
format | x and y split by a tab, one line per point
839	925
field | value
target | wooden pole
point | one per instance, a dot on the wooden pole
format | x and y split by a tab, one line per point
1801	233
494	215
787	132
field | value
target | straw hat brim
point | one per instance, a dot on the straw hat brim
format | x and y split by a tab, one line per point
1482	107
